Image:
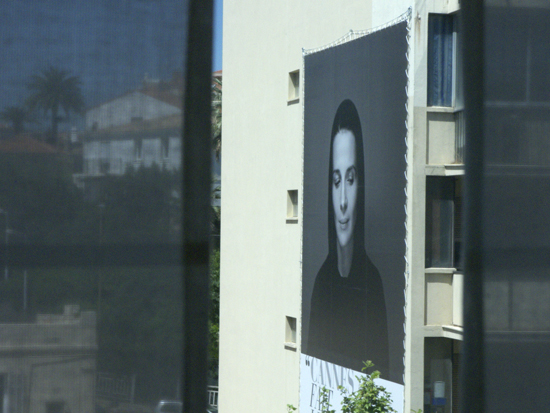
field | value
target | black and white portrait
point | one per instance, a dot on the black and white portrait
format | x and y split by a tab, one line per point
348	293
353	259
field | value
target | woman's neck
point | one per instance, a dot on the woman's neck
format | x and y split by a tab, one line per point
345	256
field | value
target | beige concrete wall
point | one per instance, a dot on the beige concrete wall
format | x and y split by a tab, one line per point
439	296
441	138
262	160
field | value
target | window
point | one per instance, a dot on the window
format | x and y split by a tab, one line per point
290	330
294	85
444	63
443	221
292	204
517	56
55	407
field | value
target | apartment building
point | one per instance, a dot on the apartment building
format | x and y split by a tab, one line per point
291	70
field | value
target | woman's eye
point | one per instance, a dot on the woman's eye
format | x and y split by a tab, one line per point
350	178
336	180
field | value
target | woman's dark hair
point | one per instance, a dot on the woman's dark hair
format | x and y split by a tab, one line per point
347	118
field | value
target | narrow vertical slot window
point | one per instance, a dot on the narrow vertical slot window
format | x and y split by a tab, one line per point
292	205
290	330
294	86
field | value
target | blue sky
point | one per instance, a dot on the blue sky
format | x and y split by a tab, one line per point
111	45
218	14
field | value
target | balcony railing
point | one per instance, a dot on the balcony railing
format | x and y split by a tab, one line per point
213	396
460	136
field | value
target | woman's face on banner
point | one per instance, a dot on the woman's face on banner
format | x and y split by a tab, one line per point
344	186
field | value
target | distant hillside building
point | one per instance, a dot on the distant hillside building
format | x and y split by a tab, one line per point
156	99
49	366
139	128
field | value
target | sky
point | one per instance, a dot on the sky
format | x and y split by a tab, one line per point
111	45
218	25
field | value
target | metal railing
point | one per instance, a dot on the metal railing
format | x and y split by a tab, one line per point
116	387
116	166
213	396
460	136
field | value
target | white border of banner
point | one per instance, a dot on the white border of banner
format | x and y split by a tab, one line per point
331	376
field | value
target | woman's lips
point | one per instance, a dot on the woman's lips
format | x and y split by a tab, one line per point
343	222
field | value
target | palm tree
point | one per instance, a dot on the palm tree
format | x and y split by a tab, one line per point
217	116
17	116
53	89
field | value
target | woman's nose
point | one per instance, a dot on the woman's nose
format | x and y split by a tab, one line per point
343	199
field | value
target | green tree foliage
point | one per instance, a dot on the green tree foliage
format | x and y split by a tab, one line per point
140	324
324	401
17	116
140	328
368	398
214	319
38	193
216	215
217	116
142	206
53	90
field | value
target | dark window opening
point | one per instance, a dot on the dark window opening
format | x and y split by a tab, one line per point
55	407
443	61
443	222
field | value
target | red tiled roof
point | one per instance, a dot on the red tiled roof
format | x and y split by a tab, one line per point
172	97
24	144
170	92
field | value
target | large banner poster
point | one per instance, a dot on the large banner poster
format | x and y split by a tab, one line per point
355	112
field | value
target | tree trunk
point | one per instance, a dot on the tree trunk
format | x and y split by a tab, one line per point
55	121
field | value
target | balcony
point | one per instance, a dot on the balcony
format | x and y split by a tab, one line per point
443	304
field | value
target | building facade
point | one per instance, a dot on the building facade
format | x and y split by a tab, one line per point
49	366
265	235
139	128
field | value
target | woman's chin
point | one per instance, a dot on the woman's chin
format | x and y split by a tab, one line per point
345	242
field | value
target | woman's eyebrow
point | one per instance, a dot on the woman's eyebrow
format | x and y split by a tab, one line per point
352	167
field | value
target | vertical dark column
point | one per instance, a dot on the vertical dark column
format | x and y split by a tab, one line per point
516	206
196	203
472	361
2	391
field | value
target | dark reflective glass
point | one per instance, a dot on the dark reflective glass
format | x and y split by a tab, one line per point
516	207
91	101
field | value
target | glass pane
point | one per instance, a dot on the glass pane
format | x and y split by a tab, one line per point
90	201
439	221
516	207
441	56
